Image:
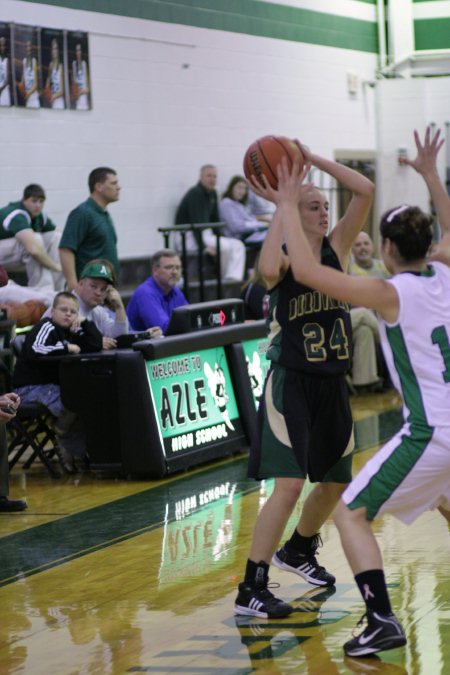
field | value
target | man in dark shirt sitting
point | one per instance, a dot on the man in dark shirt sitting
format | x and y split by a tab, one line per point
152	302
199	205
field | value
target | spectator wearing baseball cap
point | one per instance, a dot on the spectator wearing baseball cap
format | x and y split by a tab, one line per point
100	301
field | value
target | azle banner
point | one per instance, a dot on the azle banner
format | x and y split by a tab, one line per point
194	400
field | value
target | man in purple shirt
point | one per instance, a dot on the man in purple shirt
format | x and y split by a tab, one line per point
153	301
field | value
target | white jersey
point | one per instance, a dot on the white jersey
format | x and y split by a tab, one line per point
80	74
81	80
29	71
56	85
29	78
417	346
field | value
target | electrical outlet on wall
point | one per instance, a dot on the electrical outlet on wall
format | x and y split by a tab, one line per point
352	82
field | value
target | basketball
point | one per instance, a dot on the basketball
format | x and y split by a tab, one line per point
264	155
25	313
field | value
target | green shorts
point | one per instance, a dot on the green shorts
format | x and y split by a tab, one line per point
305	428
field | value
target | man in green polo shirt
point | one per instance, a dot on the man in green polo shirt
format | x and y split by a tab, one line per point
29	239
89	232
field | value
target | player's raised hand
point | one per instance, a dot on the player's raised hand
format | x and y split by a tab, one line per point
290	182
425	160
266	191
295	178
305	151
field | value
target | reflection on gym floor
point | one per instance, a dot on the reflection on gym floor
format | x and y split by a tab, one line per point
109	576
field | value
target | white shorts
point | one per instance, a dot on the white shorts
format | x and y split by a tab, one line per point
407	476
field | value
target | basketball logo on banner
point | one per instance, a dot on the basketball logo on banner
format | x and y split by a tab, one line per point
217	387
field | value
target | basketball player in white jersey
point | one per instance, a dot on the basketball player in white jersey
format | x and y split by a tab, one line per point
55	79
30	78
5	94
81	80
411	473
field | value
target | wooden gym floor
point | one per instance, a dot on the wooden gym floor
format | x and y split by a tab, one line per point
108	577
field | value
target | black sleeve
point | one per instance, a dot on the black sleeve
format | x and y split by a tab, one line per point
88	337
44	340
214	218
182	216
253	299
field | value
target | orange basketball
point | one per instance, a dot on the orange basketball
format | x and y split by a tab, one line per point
264	155
25	313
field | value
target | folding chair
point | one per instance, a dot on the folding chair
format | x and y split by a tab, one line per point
32	427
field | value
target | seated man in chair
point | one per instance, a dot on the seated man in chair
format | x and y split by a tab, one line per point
365	366
100	301
152	302
199	205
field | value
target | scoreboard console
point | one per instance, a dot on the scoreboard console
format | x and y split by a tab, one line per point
172	403
204	315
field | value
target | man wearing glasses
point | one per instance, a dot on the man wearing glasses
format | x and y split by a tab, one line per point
153	301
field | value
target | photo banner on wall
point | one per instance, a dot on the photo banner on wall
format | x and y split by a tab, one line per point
27	65
79	70
6	88
54	68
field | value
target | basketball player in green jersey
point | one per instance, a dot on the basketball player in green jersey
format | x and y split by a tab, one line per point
411	473
305	423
